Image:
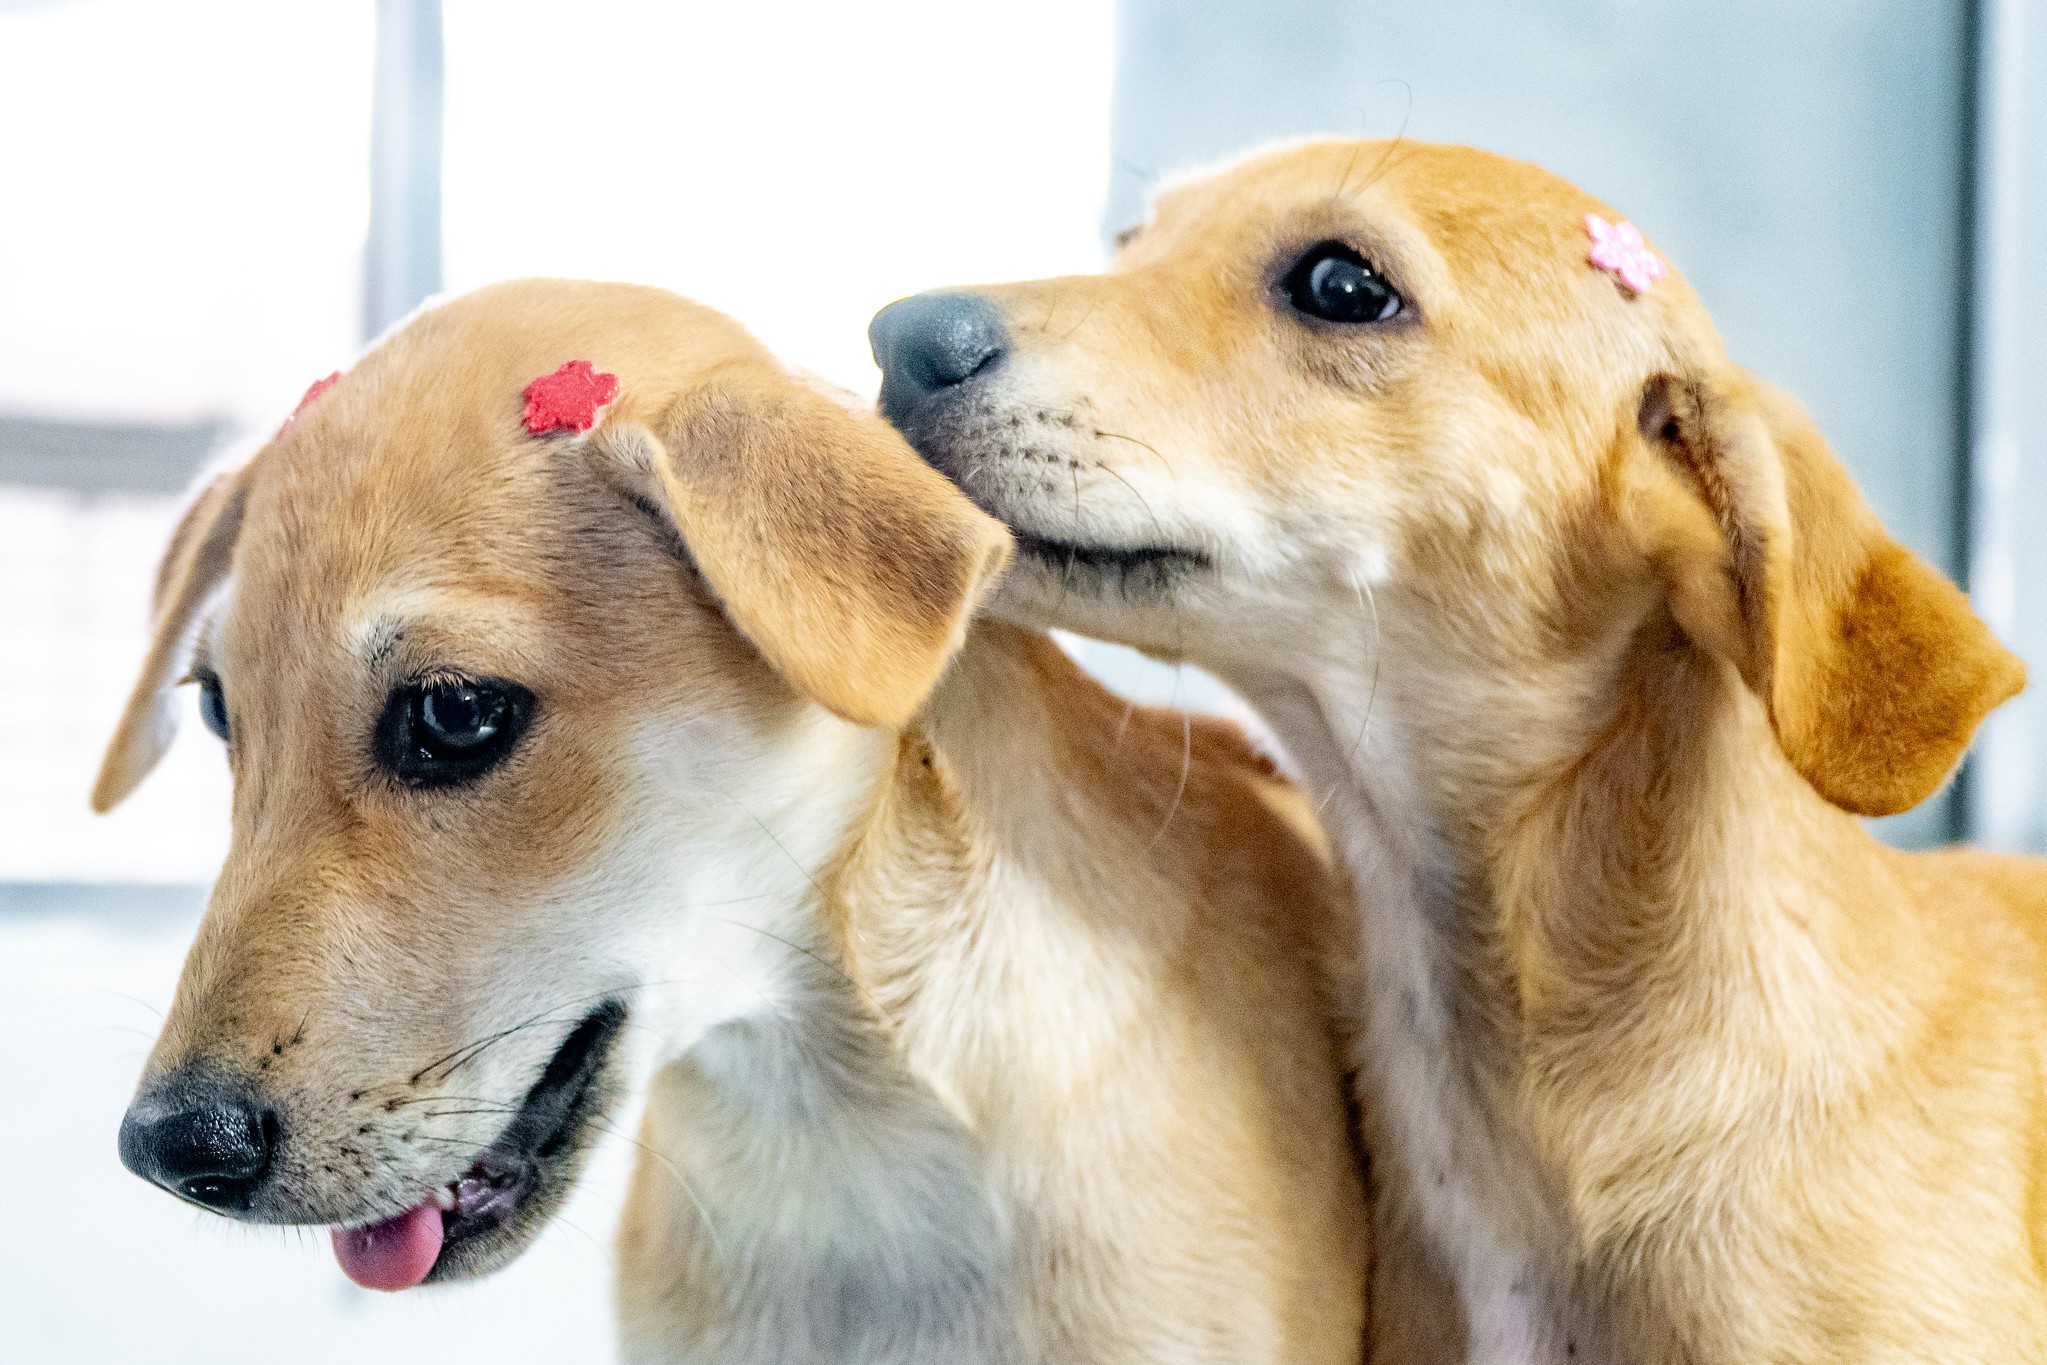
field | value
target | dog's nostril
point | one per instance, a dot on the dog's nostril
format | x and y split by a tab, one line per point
201	1135
931	343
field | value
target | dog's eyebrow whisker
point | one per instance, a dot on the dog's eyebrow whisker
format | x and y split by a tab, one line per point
1399	136
1348	166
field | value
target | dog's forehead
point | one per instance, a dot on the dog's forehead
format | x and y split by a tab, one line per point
418	463
1487	219
1495	252
445	395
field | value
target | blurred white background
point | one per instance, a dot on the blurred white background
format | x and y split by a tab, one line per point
201	195
206	204
181	250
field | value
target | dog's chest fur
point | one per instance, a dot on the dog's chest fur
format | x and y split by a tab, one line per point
813	1203
1005	1114
1459	1189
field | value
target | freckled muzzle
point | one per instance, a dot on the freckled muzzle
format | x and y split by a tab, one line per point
938	353
485	1216
207	1137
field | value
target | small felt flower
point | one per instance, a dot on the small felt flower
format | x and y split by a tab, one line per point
568	399
1619	248
313	391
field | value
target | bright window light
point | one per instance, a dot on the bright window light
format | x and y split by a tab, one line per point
188	190
795	165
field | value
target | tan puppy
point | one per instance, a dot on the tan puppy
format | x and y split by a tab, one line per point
987	1029
1594	653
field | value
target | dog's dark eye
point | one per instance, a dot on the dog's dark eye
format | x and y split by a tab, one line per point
1334	283
212	704
434	734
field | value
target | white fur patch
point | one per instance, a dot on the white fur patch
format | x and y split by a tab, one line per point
1459	1180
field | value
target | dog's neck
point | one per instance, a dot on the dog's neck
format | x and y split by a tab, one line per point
1580	883
1524	812
849	1145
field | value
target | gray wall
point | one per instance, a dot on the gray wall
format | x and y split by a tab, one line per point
1806	163
2009	796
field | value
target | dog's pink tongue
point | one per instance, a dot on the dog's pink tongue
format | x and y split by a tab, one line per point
394	1254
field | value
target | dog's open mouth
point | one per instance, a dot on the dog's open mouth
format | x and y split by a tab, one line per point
483	1216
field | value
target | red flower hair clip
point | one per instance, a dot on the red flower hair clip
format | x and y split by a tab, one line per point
313	391
568	399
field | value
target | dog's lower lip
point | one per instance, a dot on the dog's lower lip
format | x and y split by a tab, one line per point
1071	554
508	1173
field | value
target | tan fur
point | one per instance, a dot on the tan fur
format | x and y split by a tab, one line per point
996	1032
1591	647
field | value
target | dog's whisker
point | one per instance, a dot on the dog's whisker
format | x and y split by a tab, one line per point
132	999
1366	598
675	1173
1071	332
773	838
1186	766
549	1015
820	960
1179	670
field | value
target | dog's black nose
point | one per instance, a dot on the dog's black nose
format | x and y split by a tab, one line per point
201	1135
931	343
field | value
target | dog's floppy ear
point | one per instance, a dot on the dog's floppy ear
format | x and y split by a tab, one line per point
849	563
193	566
1873	667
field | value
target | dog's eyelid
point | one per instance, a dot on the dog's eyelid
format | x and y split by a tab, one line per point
1376	248
1302	284
438	675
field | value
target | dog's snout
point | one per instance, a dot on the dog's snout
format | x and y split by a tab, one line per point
200	1135
930	343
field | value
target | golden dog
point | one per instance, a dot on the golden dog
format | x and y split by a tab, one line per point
983	1010
1594	653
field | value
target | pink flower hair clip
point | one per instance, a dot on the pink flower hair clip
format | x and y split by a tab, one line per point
1619	249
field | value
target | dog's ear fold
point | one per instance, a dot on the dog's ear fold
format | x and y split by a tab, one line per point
1873	667
849	563
193	566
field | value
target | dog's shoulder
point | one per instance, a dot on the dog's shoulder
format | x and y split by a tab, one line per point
1971	880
